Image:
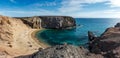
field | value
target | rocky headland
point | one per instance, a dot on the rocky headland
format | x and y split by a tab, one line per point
49	22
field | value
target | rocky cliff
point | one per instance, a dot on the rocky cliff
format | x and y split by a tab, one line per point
108	44
49	22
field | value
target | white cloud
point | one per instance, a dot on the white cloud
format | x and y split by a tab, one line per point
99	14
69	8
13	1
115	3
76	5
73	8
44	4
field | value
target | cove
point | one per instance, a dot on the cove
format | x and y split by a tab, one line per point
77	36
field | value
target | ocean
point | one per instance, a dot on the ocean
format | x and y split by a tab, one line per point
77	36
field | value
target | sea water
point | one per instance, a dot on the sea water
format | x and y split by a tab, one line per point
77	36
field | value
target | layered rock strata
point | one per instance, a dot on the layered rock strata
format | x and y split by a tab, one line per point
49	22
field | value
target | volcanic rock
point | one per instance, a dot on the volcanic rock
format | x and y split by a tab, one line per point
49	22
59	51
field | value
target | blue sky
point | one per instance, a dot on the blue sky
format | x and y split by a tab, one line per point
74	8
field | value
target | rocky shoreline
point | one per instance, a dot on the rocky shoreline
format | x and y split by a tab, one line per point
16	40
108	44
105	46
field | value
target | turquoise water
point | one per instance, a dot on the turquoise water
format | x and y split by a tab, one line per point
77	36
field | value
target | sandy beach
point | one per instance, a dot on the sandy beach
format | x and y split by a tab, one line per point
25	43
28	42
33	36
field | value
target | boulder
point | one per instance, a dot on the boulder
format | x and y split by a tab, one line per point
117	25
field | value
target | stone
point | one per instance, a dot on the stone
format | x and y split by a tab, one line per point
117	25
59	51
108	43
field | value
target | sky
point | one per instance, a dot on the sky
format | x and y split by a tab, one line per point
74	8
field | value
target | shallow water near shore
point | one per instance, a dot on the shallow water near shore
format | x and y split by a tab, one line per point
77	36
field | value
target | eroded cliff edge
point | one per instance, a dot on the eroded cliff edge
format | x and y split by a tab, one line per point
49	22
108	44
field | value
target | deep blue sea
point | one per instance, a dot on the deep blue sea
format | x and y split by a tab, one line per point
77	36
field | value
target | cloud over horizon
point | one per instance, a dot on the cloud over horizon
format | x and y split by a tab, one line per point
75	8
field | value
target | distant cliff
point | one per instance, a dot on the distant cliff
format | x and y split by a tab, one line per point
49	22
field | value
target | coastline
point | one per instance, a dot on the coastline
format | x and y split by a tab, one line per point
41	43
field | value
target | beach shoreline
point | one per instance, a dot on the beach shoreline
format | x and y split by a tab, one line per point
37	40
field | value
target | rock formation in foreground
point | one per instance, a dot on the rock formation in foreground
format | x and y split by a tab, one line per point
117	25
59	51
49	22
108	44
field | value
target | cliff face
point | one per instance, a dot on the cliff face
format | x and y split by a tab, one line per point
49	22
108	44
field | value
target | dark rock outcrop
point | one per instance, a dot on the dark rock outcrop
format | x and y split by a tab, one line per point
59	51
117	25
108	43
91	36
49	22
93	43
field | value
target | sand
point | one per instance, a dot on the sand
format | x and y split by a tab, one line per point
42	44
23	44
28	43
16	38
